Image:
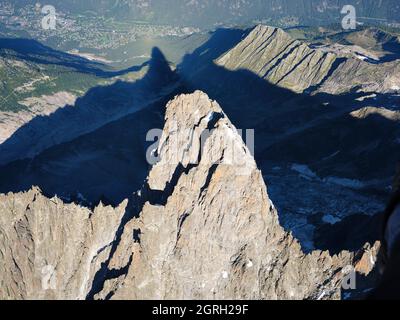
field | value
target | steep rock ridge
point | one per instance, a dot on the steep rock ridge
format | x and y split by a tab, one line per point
216	235
51	250
273	55
202	227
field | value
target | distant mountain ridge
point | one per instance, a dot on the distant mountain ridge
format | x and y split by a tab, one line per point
278	58
273	55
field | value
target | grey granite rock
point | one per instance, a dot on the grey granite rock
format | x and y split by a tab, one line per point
202	227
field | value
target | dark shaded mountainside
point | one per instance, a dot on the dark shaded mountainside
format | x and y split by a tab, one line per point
325	135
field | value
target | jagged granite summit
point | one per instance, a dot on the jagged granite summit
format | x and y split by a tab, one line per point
202	227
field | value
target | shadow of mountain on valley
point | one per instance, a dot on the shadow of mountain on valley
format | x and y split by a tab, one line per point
33	51
96	149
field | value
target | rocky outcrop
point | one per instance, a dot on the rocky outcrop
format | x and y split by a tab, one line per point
202	227
370	111
52	250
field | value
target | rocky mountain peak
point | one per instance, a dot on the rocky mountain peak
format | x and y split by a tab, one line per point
197	133
202	227
217	234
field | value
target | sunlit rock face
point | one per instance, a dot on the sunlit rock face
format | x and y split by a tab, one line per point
216	234
275	56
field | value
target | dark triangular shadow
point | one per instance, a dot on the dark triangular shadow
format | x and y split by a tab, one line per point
96	149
